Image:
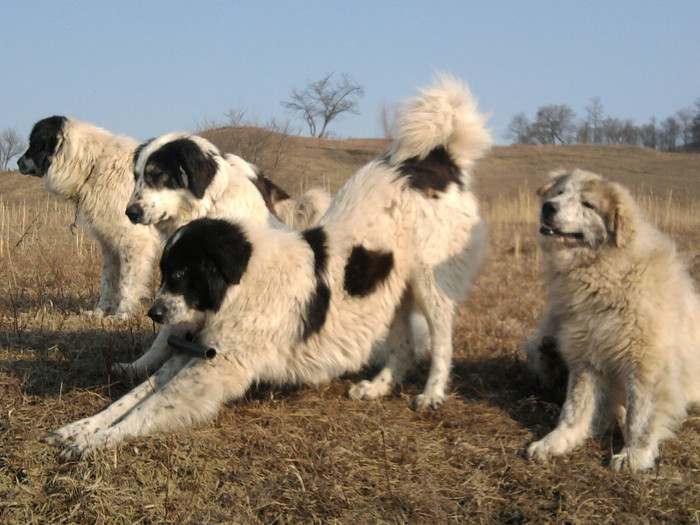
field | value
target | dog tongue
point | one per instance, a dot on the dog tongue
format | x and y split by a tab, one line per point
546	230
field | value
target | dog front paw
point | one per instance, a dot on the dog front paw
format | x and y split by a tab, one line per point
366	390
633	460
539	450
425	402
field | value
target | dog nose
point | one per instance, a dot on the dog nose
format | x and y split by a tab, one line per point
157	312
22	165
548	209
135	213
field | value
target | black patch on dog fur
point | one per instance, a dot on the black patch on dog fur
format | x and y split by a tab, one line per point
433	173
317	307
181	164
202	259
271	192
365	270
43	143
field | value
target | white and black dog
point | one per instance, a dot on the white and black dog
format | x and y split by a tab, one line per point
404	233
94	169
181	177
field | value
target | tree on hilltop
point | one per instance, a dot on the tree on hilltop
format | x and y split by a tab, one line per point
322	101
11	145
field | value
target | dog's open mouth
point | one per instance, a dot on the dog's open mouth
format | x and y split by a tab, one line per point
549	231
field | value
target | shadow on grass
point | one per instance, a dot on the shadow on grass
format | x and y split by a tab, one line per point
48	362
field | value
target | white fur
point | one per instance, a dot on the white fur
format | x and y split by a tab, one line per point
437	244
625	317
94	170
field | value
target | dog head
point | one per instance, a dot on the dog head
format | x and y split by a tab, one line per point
582	209
44	141
170	171
199	264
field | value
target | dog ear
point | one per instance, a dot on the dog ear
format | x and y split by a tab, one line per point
196	167
553	178
622	218
230	252
200	170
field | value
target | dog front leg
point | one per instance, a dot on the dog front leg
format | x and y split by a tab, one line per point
109	284
641	438
135	268
68	434
155	356
195	394
576	419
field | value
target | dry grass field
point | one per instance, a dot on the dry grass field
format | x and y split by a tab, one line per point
310	454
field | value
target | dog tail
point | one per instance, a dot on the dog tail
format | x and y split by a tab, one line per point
445	115
304	211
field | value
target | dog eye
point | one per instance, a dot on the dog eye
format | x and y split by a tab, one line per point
587	204
178	275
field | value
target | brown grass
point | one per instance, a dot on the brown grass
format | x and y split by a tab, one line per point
310	454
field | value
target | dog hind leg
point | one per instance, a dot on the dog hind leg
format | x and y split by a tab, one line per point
400	355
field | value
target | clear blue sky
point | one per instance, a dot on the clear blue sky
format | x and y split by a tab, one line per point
144	68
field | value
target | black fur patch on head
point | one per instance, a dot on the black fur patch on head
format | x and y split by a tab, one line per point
181	164
365	270
202	259
433	173
317	307
43	143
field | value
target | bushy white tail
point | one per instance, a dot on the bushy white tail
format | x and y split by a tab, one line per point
444	115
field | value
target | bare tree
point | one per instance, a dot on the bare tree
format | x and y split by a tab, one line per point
669	132
520	130
594	112
11	145
554	124
320	102
648	134
685	118
387	119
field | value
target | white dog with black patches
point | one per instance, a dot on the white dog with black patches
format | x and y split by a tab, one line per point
404	233
181	177
94	169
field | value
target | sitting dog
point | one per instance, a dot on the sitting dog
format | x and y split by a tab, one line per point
623	315
404	233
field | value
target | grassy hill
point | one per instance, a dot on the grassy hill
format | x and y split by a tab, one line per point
309	454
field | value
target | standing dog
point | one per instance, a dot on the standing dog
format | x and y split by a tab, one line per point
624	316
182	177
94	170
404	233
